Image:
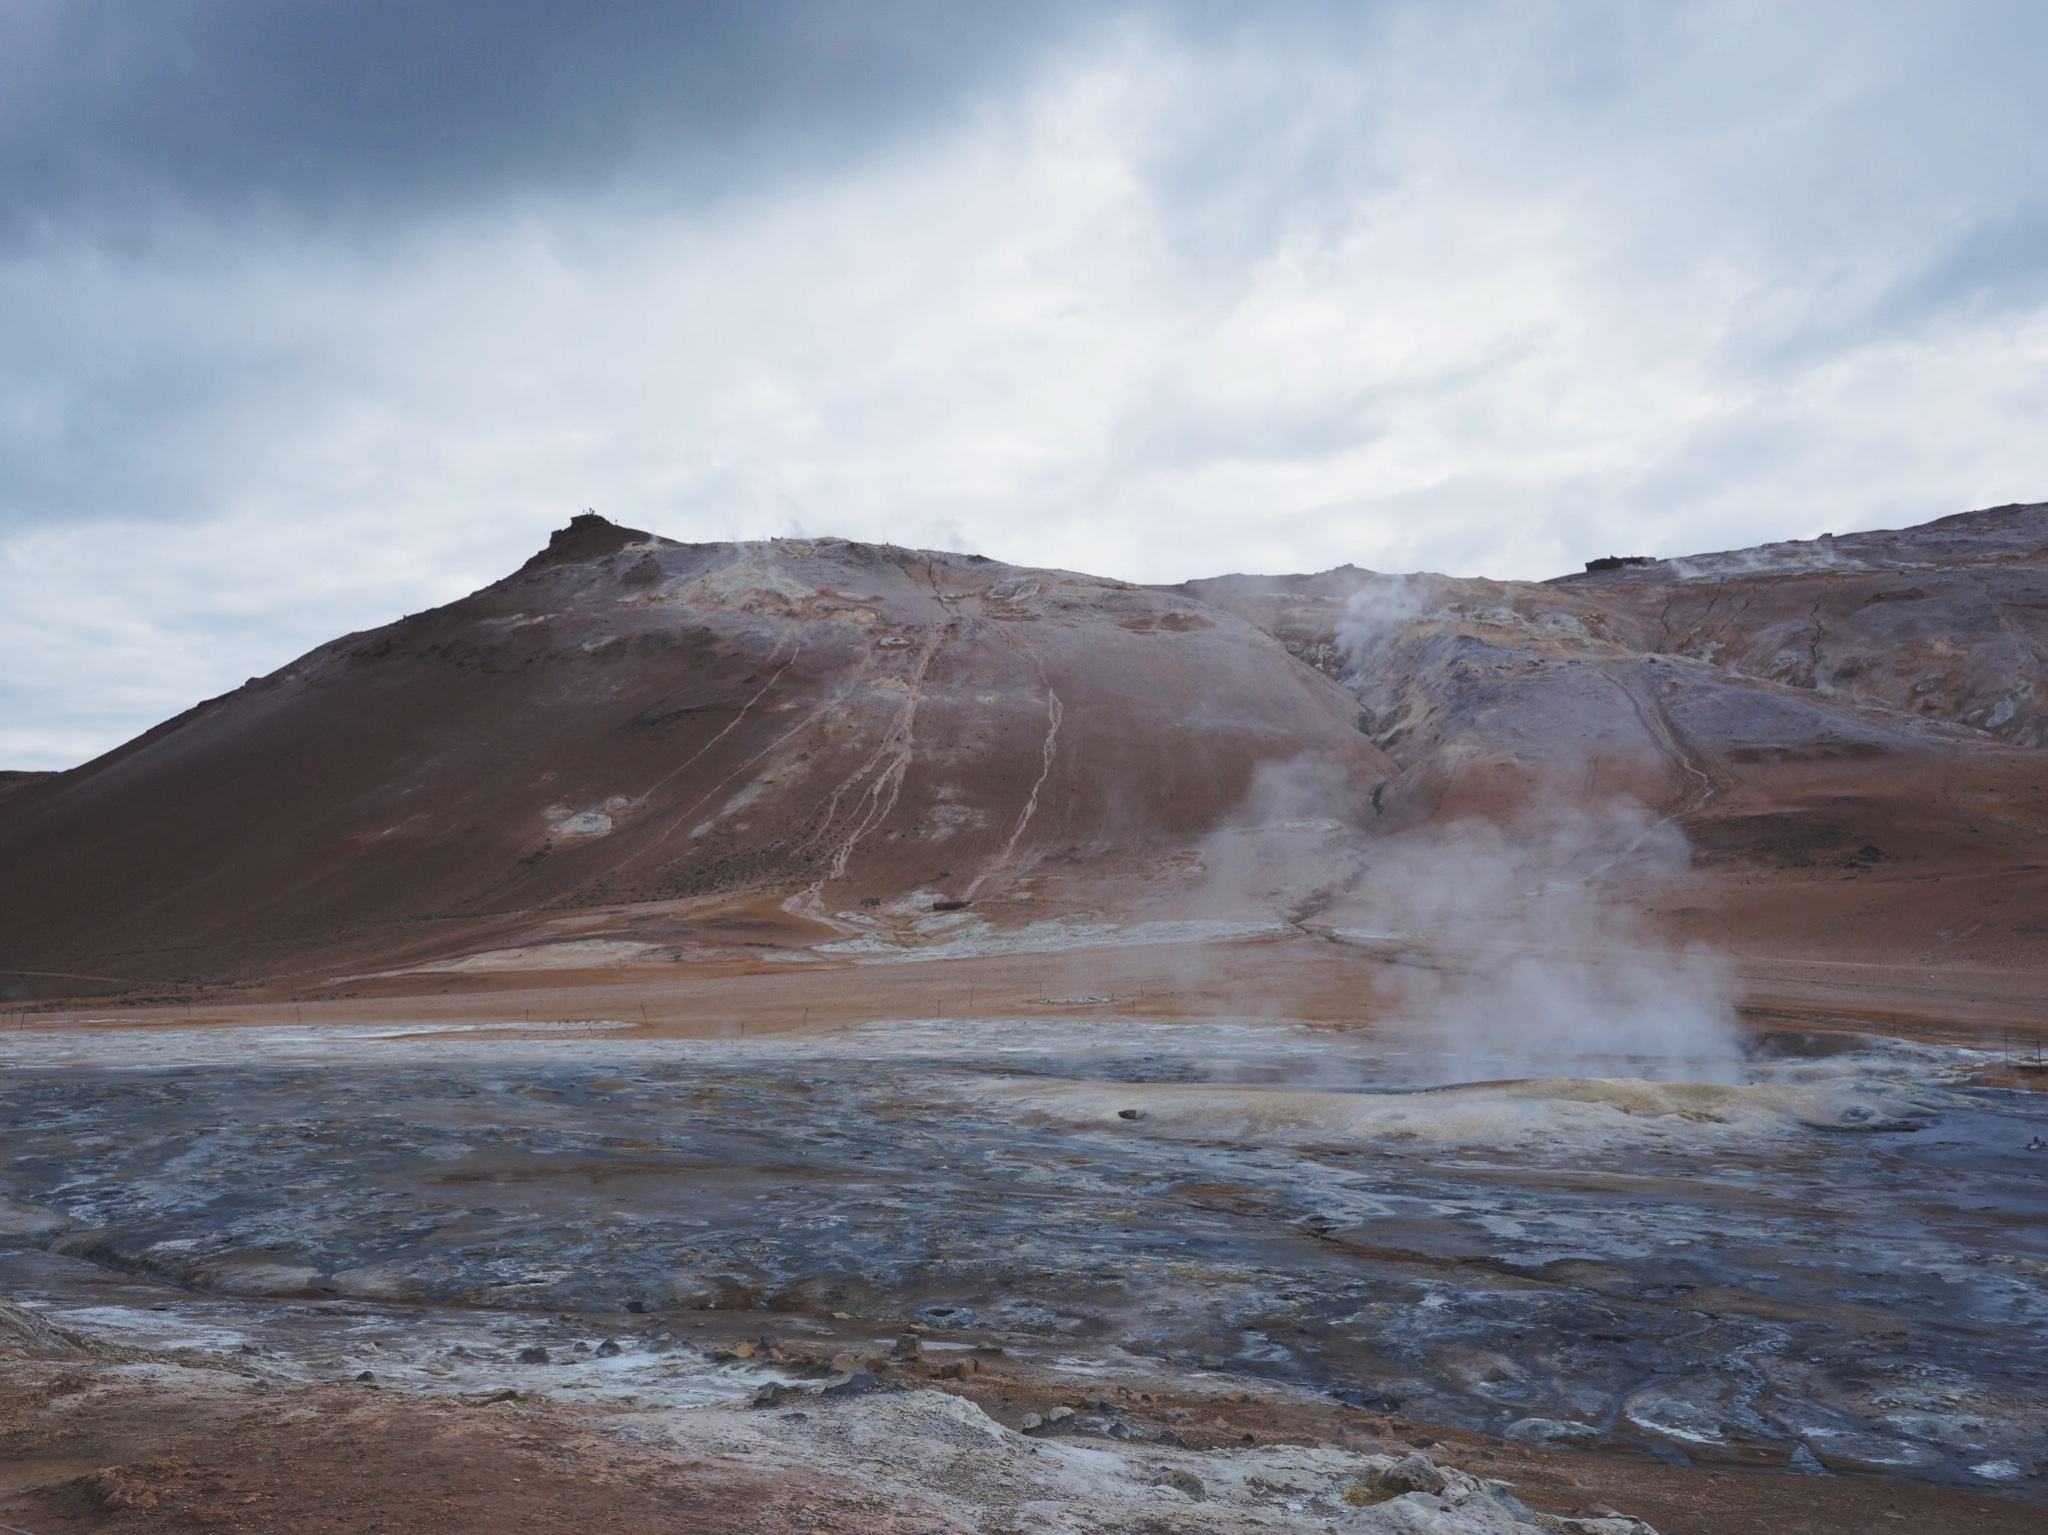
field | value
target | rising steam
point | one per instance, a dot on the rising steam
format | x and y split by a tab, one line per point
1518	946
1522	951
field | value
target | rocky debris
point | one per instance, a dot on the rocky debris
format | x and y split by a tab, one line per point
1098	1418
534	1355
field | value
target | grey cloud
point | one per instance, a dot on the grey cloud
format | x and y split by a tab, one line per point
116	111
311	310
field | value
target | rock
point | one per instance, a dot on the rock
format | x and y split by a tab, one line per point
1551	1432
744	1350
773	1394
844	1364
1181	1481
909	1346
1411	1473
637	1307
1059	1414
609	1349
366	1375
111	1489
1029	1421
857	1384
534	1355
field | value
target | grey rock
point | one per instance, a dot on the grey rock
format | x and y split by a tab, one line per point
1414	1472
857	1384
1181	1481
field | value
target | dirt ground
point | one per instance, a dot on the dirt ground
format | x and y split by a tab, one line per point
92	1445
1289	975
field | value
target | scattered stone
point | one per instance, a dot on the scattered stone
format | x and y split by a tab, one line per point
637	1307
773	1393
909	1346
857	1384
1029	1421
844	1364
1181	1481
366	1375
534	1355
1059	1414
609	1349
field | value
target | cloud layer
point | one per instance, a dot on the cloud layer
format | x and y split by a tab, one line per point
312	315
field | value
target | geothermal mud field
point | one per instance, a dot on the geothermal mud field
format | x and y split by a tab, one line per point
1835	1265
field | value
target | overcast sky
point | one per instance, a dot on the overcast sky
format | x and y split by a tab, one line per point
316	312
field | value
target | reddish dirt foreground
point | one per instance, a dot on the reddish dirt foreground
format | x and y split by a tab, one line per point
92	1446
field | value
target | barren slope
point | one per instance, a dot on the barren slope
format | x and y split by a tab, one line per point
1847	729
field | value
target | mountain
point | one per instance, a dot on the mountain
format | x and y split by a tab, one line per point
780	743
761	734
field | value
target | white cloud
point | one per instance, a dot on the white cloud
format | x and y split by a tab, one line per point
1481	290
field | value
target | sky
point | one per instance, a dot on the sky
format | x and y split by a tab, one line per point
317	312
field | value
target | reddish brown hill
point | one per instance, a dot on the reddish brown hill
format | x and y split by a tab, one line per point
799	724
719	744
